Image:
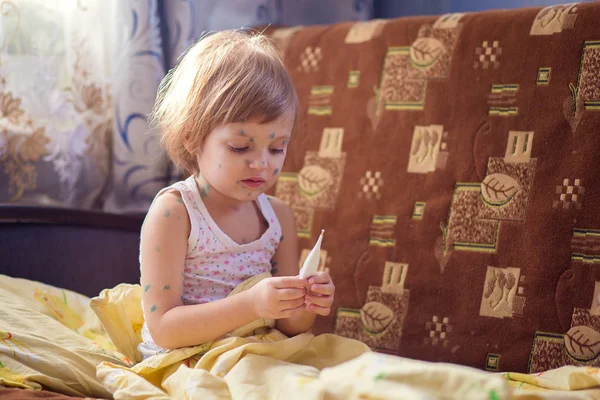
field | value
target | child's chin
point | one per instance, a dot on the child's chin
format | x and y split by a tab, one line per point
250	195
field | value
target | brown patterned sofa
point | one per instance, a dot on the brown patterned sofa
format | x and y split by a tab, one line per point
454	163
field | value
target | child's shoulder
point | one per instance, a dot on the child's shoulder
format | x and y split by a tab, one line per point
170	197
168	209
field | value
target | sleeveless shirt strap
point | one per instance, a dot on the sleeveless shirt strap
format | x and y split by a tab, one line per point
267	208
183	187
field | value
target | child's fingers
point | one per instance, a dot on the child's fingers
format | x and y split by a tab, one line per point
320	277
321	301
290	304
289	282
290	294
326	289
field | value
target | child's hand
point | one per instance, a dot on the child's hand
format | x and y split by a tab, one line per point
320	296
279	297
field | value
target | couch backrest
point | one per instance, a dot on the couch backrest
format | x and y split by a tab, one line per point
454	163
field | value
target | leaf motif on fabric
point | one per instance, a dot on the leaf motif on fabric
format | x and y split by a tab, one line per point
313	179
582	343
376	317
425	51
499	189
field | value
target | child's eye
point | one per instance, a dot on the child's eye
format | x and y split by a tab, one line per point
238	149
276	151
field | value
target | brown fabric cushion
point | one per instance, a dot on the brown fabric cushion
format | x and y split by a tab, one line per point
453	162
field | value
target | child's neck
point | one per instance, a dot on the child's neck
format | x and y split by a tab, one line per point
216	201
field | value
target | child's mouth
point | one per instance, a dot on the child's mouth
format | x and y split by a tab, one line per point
253	183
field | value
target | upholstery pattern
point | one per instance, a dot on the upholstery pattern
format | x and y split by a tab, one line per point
453	162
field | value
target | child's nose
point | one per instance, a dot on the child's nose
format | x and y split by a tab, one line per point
259	163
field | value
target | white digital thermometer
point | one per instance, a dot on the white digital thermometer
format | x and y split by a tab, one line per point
311	264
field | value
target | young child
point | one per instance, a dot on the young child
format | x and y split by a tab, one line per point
225	115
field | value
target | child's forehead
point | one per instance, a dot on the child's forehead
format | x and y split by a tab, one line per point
254	126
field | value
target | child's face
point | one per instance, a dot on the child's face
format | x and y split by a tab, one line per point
242	160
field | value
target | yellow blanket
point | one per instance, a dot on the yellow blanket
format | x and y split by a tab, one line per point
52	338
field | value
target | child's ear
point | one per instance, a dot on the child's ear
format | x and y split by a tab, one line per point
187	143
192	147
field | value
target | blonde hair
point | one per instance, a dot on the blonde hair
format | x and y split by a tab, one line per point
228	76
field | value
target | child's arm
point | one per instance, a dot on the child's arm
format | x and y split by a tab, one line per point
171	324
285	261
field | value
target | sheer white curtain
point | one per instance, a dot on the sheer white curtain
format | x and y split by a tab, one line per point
55	102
